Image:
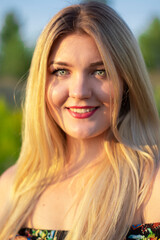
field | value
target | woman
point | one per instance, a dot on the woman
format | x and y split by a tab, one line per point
89	163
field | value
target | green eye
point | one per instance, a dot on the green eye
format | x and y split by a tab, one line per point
61	72
101	72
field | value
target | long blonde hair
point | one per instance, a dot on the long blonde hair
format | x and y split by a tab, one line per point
120	184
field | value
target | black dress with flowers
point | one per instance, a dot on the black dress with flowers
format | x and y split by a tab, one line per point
142	231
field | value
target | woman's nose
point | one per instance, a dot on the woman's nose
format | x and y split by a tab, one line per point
80	87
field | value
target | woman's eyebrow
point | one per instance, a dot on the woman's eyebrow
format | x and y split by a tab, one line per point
60	63
93	64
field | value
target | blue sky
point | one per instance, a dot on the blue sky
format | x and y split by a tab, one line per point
34	14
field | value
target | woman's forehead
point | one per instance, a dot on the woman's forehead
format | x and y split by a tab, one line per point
74	46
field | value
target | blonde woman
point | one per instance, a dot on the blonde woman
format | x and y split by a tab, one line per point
89	163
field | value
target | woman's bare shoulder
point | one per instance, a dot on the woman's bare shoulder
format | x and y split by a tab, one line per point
6	181
152	208
8	174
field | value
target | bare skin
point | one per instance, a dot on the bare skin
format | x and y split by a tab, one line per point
58	200
57	205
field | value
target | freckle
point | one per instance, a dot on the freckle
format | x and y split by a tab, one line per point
43	205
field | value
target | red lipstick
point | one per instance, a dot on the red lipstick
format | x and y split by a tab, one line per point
82	112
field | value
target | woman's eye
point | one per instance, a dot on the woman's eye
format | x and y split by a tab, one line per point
60	72
100	73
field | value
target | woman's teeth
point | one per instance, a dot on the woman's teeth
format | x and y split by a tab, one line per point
82	110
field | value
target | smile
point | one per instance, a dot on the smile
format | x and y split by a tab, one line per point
82	112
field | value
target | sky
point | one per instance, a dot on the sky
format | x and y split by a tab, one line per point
35	14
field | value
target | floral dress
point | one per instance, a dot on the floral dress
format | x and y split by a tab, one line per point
144	231
137	232
37	234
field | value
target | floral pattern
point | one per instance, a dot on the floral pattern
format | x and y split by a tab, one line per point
136	232
144	232
37	234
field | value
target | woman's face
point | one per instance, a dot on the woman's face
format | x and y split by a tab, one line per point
79	93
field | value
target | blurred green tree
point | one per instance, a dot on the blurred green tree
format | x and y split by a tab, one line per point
149	43
10	135
15	57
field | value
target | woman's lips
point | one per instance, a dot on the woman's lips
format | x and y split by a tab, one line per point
82	112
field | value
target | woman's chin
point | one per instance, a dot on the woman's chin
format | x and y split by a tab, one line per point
84	135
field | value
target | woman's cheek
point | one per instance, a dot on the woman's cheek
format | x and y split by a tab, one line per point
57	94
105	92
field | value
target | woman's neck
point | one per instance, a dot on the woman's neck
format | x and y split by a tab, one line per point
82	153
